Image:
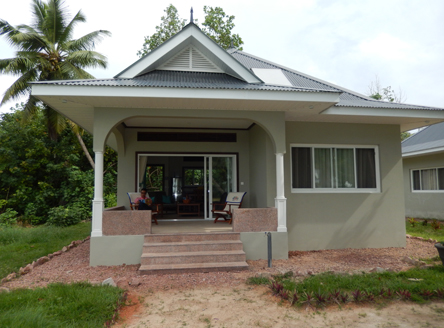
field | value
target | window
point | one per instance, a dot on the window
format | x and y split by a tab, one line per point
428	179
334	168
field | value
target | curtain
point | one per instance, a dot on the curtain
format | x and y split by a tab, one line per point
416	180
365	168
301	160
142	169
428	179
345	166
323	169
441	179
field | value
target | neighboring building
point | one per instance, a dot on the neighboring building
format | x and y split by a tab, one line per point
329	159
423	161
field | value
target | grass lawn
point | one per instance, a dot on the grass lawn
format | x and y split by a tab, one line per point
59	305
425	231
20	246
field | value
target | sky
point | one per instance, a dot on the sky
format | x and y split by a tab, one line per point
346	42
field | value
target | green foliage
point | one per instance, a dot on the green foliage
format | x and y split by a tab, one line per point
425	231
9	217
59	305
38	174
412	222
170	24
217	25
20	246
436	225
62	216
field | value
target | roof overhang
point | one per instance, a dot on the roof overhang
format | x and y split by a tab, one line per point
431	151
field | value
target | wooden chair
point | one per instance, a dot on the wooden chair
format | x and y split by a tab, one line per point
155	207
234	200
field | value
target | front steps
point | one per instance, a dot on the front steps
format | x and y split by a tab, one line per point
192	252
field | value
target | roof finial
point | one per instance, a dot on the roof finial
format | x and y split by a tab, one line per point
191	18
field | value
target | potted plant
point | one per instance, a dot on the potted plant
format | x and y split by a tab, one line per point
440	247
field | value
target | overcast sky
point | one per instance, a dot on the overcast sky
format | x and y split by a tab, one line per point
346	42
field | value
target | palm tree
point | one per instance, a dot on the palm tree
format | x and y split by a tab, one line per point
46	51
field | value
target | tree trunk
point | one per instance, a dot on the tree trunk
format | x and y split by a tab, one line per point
85	150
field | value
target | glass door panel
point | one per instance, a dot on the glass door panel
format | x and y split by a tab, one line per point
220	179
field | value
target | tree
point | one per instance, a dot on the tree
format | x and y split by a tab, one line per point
169	26
46	51
385	94
38	175
389	95
217	26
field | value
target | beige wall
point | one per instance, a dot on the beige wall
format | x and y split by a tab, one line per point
262	169
347	220
422	204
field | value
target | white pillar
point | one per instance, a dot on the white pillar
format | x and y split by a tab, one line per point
280	200
98	202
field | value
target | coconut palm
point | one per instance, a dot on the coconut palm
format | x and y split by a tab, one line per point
46	51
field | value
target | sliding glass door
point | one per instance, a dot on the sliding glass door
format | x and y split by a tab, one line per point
220	179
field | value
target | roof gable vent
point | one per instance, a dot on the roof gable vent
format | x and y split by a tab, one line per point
190	59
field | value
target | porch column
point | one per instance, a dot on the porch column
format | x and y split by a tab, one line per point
280	200
98	202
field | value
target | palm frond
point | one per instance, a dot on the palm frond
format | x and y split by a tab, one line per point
38	9
29	109
86	42
87	58
73	72
55	22
18	65
67	33
20	87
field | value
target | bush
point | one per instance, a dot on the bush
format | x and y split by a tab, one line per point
9	217
64	216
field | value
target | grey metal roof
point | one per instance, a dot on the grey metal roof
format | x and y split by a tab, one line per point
174	79
347	97
427	139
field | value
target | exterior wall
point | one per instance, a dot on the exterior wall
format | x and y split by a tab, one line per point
115	250
347	220
256	245
262	169
422	204
126	180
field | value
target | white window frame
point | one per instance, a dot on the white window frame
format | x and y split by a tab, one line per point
420	182
313	189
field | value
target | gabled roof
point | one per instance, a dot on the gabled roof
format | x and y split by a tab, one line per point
193	39
427	141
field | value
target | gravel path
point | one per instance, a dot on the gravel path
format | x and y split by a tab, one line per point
73	265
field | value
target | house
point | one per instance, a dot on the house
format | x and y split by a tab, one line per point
423	161
327	158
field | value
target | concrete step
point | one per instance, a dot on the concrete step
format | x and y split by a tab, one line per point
193	257
183	237
193	267
193	246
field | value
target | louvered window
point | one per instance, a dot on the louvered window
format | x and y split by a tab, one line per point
190	60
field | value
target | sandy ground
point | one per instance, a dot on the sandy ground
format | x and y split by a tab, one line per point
247	306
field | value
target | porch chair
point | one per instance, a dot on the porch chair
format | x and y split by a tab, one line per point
155	207
234	200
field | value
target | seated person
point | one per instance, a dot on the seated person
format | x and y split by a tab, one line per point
143	202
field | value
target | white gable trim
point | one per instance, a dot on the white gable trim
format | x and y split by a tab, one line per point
190	35
424	152
190	60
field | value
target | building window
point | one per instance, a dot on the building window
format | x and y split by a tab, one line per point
338	168
428	179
